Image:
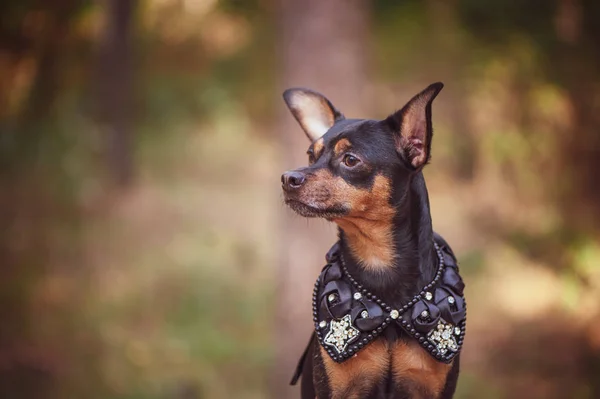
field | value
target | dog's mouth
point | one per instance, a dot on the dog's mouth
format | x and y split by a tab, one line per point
311	211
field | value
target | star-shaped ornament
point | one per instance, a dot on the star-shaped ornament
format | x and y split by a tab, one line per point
341	333
442	336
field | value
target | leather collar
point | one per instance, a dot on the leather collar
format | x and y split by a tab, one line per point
347	317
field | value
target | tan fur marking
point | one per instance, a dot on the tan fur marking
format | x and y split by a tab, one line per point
359	373
341	146
318	148
369	225
411	362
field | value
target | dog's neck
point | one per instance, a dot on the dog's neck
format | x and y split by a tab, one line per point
412	263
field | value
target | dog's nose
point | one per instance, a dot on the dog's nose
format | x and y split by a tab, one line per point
292	180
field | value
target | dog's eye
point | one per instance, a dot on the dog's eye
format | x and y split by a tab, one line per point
350	160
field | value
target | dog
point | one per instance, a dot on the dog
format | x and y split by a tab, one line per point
388	309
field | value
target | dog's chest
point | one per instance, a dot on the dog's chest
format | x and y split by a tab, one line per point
348	318
383	370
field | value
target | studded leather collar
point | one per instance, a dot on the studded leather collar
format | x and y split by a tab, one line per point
347	317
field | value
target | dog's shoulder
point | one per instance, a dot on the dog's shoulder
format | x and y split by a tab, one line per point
443	244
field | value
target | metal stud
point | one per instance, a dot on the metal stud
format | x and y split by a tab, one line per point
394	314
428	296
357	295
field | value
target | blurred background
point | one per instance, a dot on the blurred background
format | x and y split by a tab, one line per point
145	251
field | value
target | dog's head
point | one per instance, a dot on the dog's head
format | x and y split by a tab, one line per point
356	166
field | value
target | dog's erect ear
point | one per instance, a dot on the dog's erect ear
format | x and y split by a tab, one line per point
312	110
412	126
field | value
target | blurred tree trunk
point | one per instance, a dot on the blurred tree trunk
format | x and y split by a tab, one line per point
577	62
29	207
323	46
115	88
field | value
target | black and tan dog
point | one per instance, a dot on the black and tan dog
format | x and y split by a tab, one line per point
388	308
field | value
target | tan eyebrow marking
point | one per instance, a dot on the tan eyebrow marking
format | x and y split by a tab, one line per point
341	146
318	148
